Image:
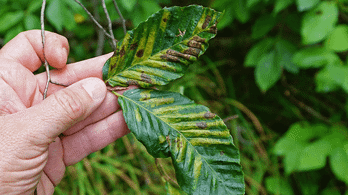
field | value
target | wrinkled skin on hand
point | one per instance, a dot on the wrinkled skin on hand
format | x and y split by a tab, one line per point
33	155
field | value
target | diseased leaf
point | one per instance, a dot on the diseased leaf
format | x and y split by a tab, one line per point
199	143
160	49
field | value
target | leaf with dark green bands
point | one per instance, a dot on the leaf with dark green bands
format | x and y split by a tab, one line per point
160	49
199	143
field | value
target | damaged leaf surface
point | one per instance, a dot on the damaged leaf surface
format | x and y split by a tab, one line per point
199	143
160	49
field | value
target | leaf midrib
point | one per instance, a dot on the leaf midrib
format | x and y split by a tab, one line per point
119	95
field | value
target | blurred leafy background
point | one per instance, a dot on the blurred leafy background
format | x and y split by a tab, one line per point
277	73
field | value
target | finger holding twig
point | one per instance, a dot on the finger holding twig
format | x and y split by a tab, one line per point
42	16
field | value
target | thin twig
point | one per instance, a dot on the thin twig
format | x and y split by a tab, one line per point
43	47
122	19
109	25
101	35
94	20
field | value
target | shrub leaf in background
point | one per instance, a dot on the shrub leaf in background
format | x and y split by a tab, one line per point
285	51
199	143
303	5
319	22
268	71
282	4
10	19
313	57
331	77
263	25
258	51
338	39
59	15
160	49
339	165
306	147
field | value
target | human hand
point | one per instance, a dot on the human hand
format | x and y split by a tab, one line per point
32	154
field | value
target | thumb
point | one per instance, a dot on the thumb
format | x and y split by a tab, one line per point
63	109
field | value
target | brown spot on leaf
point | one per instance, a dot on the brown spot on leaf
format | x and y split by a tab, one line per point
170	58
146	78
117	88
132	82
202	125
179	143
140	53
206	22
165	19
195	44
222	153
319	12
213	29
209	115
178	54
168	140
133	46
192	51
116	52
199	39
122	52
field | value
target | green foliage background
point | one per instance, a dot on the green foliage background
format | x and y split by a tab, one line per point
279	65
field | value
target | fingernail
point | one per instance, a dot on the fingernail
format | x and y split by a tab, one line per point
95	88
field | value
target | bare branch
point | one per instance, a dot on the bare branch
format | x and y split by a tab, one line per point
109	25
94	20
42	16
122	19
101	35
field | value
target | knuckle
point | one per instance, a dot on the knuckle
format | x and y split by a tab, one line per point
70	103
7	107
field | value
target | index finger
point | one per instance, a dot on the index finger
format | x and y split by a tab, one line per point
26	49
73	73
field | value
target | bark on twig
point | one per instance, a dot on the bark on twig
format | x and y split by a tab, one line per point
109	25
122	19
42	16
93	19
101	35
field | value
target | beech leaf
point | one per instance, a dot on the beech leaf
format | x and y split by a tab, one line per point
160	49
199	143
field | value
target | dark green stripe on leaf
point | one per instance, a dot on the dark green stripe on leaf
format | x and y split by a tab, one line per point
199	143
